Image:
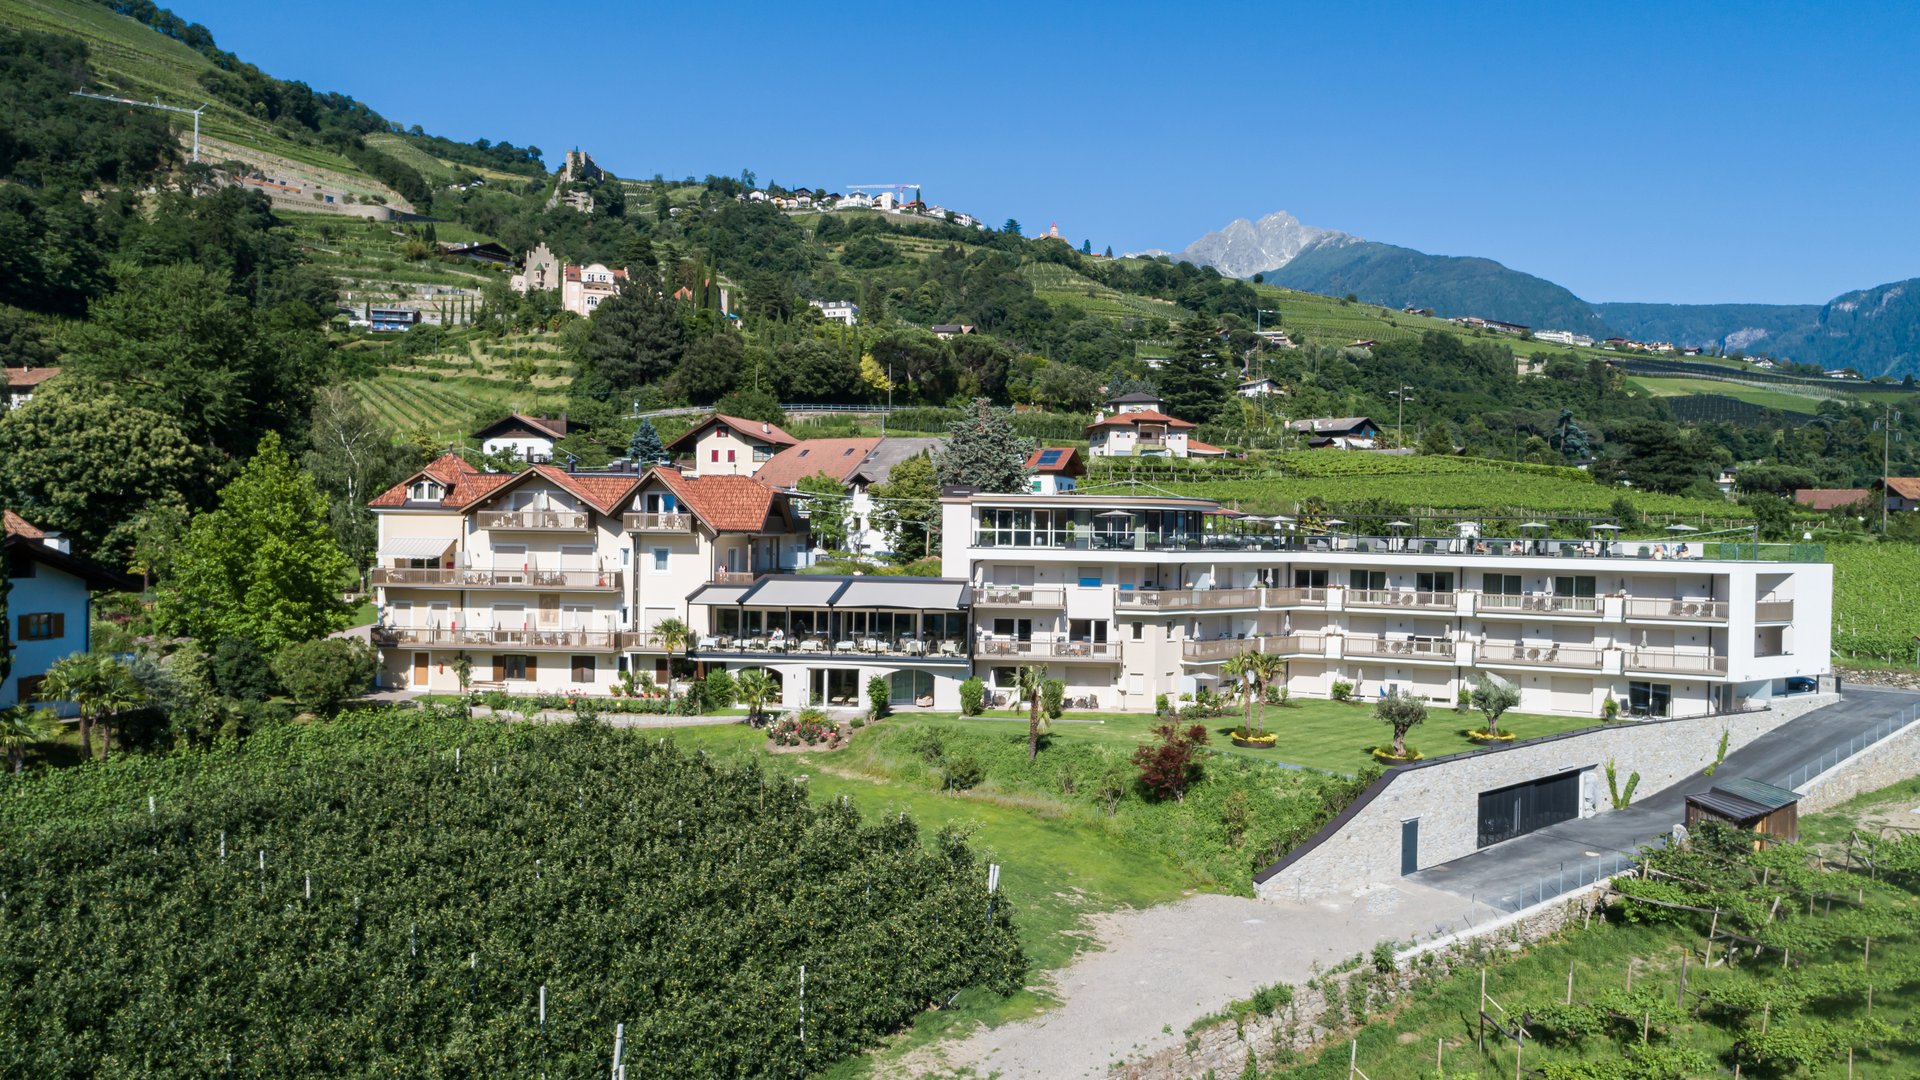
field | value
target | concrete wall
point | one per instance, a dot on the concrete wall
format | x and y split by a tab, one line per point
1889	761
1365	849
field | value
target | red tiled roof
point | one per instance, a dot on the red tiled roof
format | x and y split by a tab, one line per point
462	481
1830	498
467	486
754	429
23	377
837	458
1195	446
1064	460
12	524
603	492
725	503
555	429
1129	419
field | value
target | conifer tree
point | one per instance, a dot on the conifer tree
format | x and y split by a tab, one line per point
984	453
645	448
1190	381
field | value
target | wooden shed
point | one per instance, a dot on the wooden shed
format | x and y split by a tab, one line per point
1748	804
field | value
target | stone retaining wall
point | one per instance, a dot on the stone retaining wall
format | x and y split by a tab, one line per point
1362	846
1889	761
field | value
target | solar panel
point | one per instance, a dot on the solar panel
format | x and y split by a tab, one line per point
1048	457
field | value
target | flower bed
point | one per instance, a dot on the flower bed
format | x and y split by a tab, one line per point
1483	735
1255	740
809	729
1384	755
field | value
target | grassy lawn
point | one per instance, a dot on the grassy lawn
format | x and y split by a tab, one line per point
1318	734
1766	399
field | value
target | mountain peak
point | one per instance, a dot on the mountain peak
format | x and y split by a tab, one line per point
1245	248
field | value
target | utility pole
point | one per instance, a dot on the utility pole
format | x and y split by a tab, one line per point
1400	426
195	113
1886	457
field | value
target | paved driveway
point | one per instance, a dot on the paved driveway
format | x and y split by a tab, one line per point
1514	874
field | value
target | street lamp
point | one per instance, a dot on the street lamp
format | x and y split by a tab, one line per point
1400	425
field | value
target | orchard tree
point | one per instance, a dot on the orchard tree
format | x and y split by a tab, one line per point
984	453
264	565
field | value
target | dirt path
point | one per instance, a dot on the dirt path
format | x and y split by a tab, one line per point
1158	970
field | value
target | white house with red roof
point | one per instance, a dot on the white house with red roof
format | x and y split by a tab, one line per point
724	445
21	384
1056	470
529	438
1136	426
584	288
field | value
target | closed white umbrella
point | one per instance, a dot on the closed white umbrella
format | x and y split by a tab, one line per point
1679	527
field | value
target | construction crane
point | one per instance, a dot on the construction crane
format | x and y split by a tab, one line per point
899	190
195	113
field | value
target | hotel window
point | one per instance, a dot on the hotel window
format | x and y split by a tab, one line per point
1309	579
42	627
1649	699
511	666
660	556
1500	584
1437	581
1367	579
1573	586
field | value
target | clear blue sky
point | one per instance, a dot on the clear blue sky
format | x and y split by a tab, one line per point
1678	152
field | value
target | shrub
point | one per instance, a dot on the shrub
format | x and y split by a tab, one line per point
1161	706
878	692
1342	690
321	675
963	772
1234	816
1610	708
808	727
1462	700
1053	698
1112	787
1169	766
973	697
1383	957
717	690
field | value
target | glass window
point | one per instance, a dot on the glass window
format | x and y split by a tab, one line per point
1087	630
1573	586
1436	581
42	627
513	667
1090	577
660	556
1366	579
1500	584
1309	579
1649	699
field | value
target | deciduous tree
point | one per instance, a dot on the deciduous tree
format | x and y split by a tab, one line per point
1492	699
1402	712
907	508
1170	765
351	458
323	674
264	565
827	510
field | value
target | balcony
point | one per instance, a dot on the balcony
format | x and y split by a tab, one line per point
654	522
1294	645
1773	611
1399	648
535	520
717	646
532	640
1186	599
1400	598
1033	596
738	577
1673	662
1535	604
1293	598
1662	610
999	648
552	580
1519	654
1217	649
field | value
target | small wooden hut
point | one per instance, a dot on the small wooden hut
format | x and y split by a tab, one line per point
1749	804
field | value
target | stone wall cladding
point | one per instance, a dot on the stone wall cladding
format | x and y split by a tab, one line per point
1889	761
1444	795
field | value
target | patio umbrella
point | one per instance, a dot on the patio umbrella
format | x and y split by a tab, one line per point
1399	524
1606	526
1678	527
1333	521
1117	513
1533	524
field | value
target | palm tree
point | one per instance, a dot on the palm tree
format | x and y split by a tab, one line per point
674	635
1236	669
100	687
1266	666
20	728
754	688
1033	683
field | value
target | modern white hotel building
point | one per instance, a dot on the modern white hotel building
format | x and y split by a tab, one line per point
549	580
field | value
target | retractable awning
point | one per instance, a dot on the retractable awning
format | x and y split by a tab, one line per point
415	547
792	592
911	594
719	595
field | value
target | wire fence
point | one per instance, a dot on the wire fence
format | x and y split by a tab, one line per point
1860	742
1569	877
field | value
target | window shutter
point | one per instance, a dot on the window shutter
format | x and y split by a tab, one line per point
499	668
532	669
59	624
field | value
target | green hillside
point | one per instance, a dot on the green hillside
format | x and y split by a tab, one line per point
1451	285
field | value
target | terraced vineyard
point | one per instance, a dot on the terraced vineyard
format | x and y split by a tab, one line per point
1876	601
1058	284
441	394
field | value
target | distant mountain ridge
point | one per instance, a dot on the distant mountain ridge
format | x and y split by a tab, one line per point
1875	330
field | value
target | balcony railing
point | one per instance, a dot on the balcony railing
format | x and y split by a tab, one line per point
1773	611
535	520
1646	607
1400	598
1294	644
712	645
738	577
1535	604
1298	597
1186	599
1668	661
990	648
594	580
527	639
1410	648
1036	596
1218	648
1520	654
656	522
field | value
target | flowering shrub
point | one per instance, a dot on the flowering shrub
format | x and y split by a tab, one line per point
808	727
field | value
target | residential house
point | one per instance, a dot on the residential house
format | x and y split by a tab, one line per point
392	320
1824	499
1557	337
50	607
1411	310
540	273
1274	339
583	288
844	312
1903	492
1136	401
1138	432
857	464
21	384
730	446
949	331
1339	432
529	438
1126	598
1056	470
1259	388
